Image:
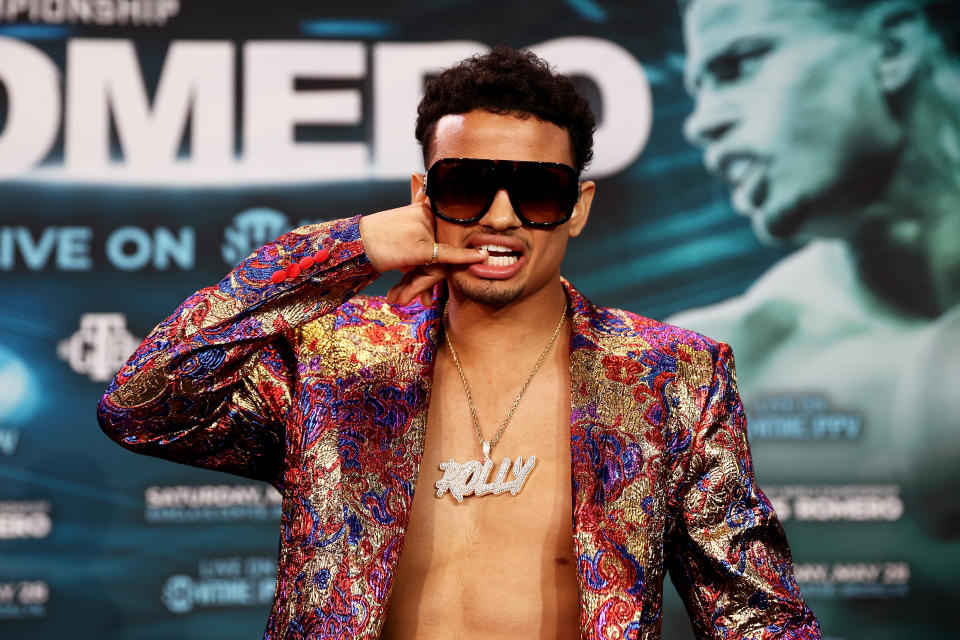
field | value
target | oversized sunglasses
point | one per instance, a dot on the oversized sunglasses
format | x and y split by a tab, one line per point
461	190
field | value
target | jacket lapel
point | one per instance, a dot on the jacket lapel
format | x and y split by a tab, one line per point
383	402
616	445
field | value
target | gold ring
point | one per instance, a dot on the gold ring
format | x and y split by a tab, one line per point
436	253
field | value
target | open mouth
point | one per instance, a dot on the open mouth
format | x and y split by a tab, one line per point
745	172
499	255
736	168
506	255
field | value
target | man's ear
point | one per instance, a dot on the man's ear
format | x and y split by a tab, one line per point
581	211
905	41
417	191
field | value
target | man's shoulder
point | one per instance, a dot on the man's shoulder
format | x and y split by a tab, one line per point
671	354
815	279
615	326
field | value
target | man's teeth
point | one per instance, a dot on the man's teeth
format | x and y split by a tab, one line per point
500	261
495	247
738	169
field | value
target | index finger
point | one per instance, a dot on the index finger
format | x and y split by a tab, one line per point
460	255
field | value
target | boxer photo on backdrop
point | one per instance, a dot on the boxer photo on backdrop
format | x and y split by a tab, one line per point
482	452
836	124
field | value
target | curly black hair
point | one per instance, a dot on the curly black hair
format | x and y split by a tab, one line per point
508	81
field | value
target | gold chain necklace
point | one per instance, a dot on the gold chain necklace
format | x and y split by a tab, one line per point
471	477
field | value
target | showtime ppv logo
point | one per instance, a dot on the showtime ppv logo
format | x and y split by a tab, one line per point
222	582
251	229
103	85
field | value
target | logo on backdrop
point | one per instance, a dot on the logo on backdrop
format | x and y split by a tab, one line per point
251	229
211	503
23	599
222	582
25	519
800	416
99	346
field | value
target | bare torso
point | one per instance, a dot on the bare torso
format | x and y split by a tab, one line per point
493	566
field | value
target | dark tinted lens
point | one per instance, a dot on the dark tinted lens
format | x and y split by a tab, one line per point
543	193
461	189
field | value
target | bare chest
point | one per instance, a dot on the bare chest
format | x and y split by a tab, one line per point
512	554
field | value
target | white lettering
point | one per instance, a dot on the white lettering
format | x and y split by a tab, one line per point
273	108
810	572
32	86
856	572
220	567
471	477
627	103
25	525
196	82
104	83
223	592
35	255
203	496
399	72
888	508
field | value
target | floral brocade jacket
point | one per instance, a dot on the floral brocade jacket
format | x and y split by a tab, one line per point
297	380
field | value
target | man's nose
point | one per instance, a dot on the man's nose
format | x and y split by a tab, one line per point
711	119
501	215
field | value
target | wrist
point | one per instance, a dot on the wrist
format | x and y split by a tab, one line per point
368	238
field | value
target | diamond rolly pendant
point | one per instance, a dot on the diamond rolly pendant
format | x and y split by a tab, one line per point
472	477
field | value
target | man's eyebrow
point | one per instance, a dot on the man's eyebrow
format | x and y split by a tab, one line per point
730	51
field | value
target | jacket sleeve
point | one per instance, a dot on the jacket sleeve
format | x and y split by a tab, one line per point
726	550
211	385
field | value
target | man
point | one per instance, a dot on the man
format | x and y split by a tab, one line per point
488	383
837	125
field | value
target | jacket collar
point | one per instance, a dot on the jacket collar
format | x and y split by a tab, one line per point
591	324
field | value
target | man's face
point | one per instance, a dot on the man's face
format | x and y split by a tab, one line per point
481	134
788	110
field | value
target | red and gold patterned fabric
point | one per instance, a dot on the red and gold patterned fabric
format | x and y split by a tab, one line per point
295	379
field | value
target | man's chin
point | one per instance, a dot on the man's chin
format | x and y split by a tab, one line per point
488	292
776	226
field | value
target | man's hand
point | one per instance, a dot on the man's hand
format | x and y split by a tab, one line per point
403	239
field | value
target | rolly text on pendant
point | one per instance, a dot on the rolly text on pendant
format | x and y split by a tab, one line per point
472	477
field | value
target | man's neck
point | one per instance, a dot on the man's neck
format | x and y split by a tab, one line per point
906	245
489	338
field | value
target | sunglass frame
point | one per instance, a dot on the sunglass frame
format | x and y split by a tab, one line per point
504	171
